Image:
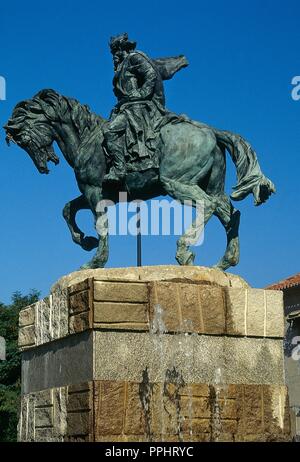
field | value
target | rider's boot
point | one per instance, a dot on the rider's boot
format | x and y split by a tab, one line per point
118	170
114	175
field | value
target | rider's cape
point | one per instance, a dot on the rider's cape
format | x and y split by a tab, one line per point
167	67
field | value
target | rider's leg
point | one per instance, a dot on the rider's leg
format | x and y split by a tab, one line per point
114	136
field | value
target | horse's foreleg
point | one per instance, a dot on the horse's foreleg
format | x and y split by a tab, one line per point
97	205
230	219
69	214
195	195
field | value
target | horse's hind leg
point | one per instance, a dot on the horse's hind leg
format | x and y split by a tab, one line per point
230	219
227	214
194	195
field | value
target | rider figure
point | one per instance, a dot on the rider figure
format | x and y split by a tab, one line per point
135	120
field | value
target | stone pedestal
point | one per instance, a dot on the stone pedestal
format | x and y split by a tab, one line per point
160	353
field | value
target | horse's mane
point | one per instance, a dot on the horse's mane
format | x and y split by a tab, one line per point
54	107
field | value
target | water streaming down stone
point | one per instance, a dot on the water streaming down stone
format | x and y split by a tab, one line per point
215	391
157	331
180	369
146	394
186	344
173	381
158	326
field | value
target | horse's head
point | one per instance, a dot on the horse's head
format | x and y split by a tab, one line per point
30	127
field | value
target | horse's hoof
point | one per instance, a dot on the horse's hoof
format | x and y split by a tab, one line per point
220	267
89	243
223	265
85	266
185	258
93	264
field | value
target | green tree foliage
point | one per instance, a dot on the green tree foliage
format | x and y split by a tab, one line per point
10	369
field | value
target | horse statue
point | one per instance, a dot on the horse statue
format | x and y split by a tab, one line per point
192	167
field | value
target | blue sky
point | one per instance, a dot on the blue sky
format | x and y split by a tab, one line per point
243	56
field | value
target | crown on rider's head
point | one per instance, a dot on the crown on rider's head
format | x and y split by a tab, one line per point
121	42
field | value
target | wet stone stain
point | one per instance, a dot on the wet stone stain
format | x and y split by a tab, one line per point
145	394
171	393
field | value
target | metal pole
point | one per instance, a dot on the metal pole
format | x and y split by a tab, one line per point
138	236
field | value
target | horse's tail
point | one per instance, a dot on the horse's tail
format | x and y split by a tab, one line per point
249	175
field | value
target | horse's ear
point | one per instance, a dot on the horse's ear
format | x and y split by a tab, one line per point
11	127
9	136
22	105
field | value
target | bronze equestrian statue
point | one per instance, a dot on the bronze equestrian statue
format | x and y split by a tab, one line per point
143	149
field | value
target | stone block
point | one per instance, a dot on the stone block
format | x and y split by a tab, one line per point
81	401
58	364
212	304
120	292
195	407
191	308
79	302
27	316
84	285
274	315
135	421
45	434
160	297
109	408
120	313
153	354
43	324
80	387
195	390
256	313
131	411
80	322
154	273
59	315
44	398
125	355
186	305
79	423
236	311
27	336
43	417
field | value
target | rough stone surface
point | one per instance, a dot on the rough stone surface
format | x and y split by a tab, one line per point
120	411
27	336
44	321
153	354
79	302
154	273
64	362
59	315
254	312
187	304
27	316
43	416
80	322
113	312
274	319
124	356
120	292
